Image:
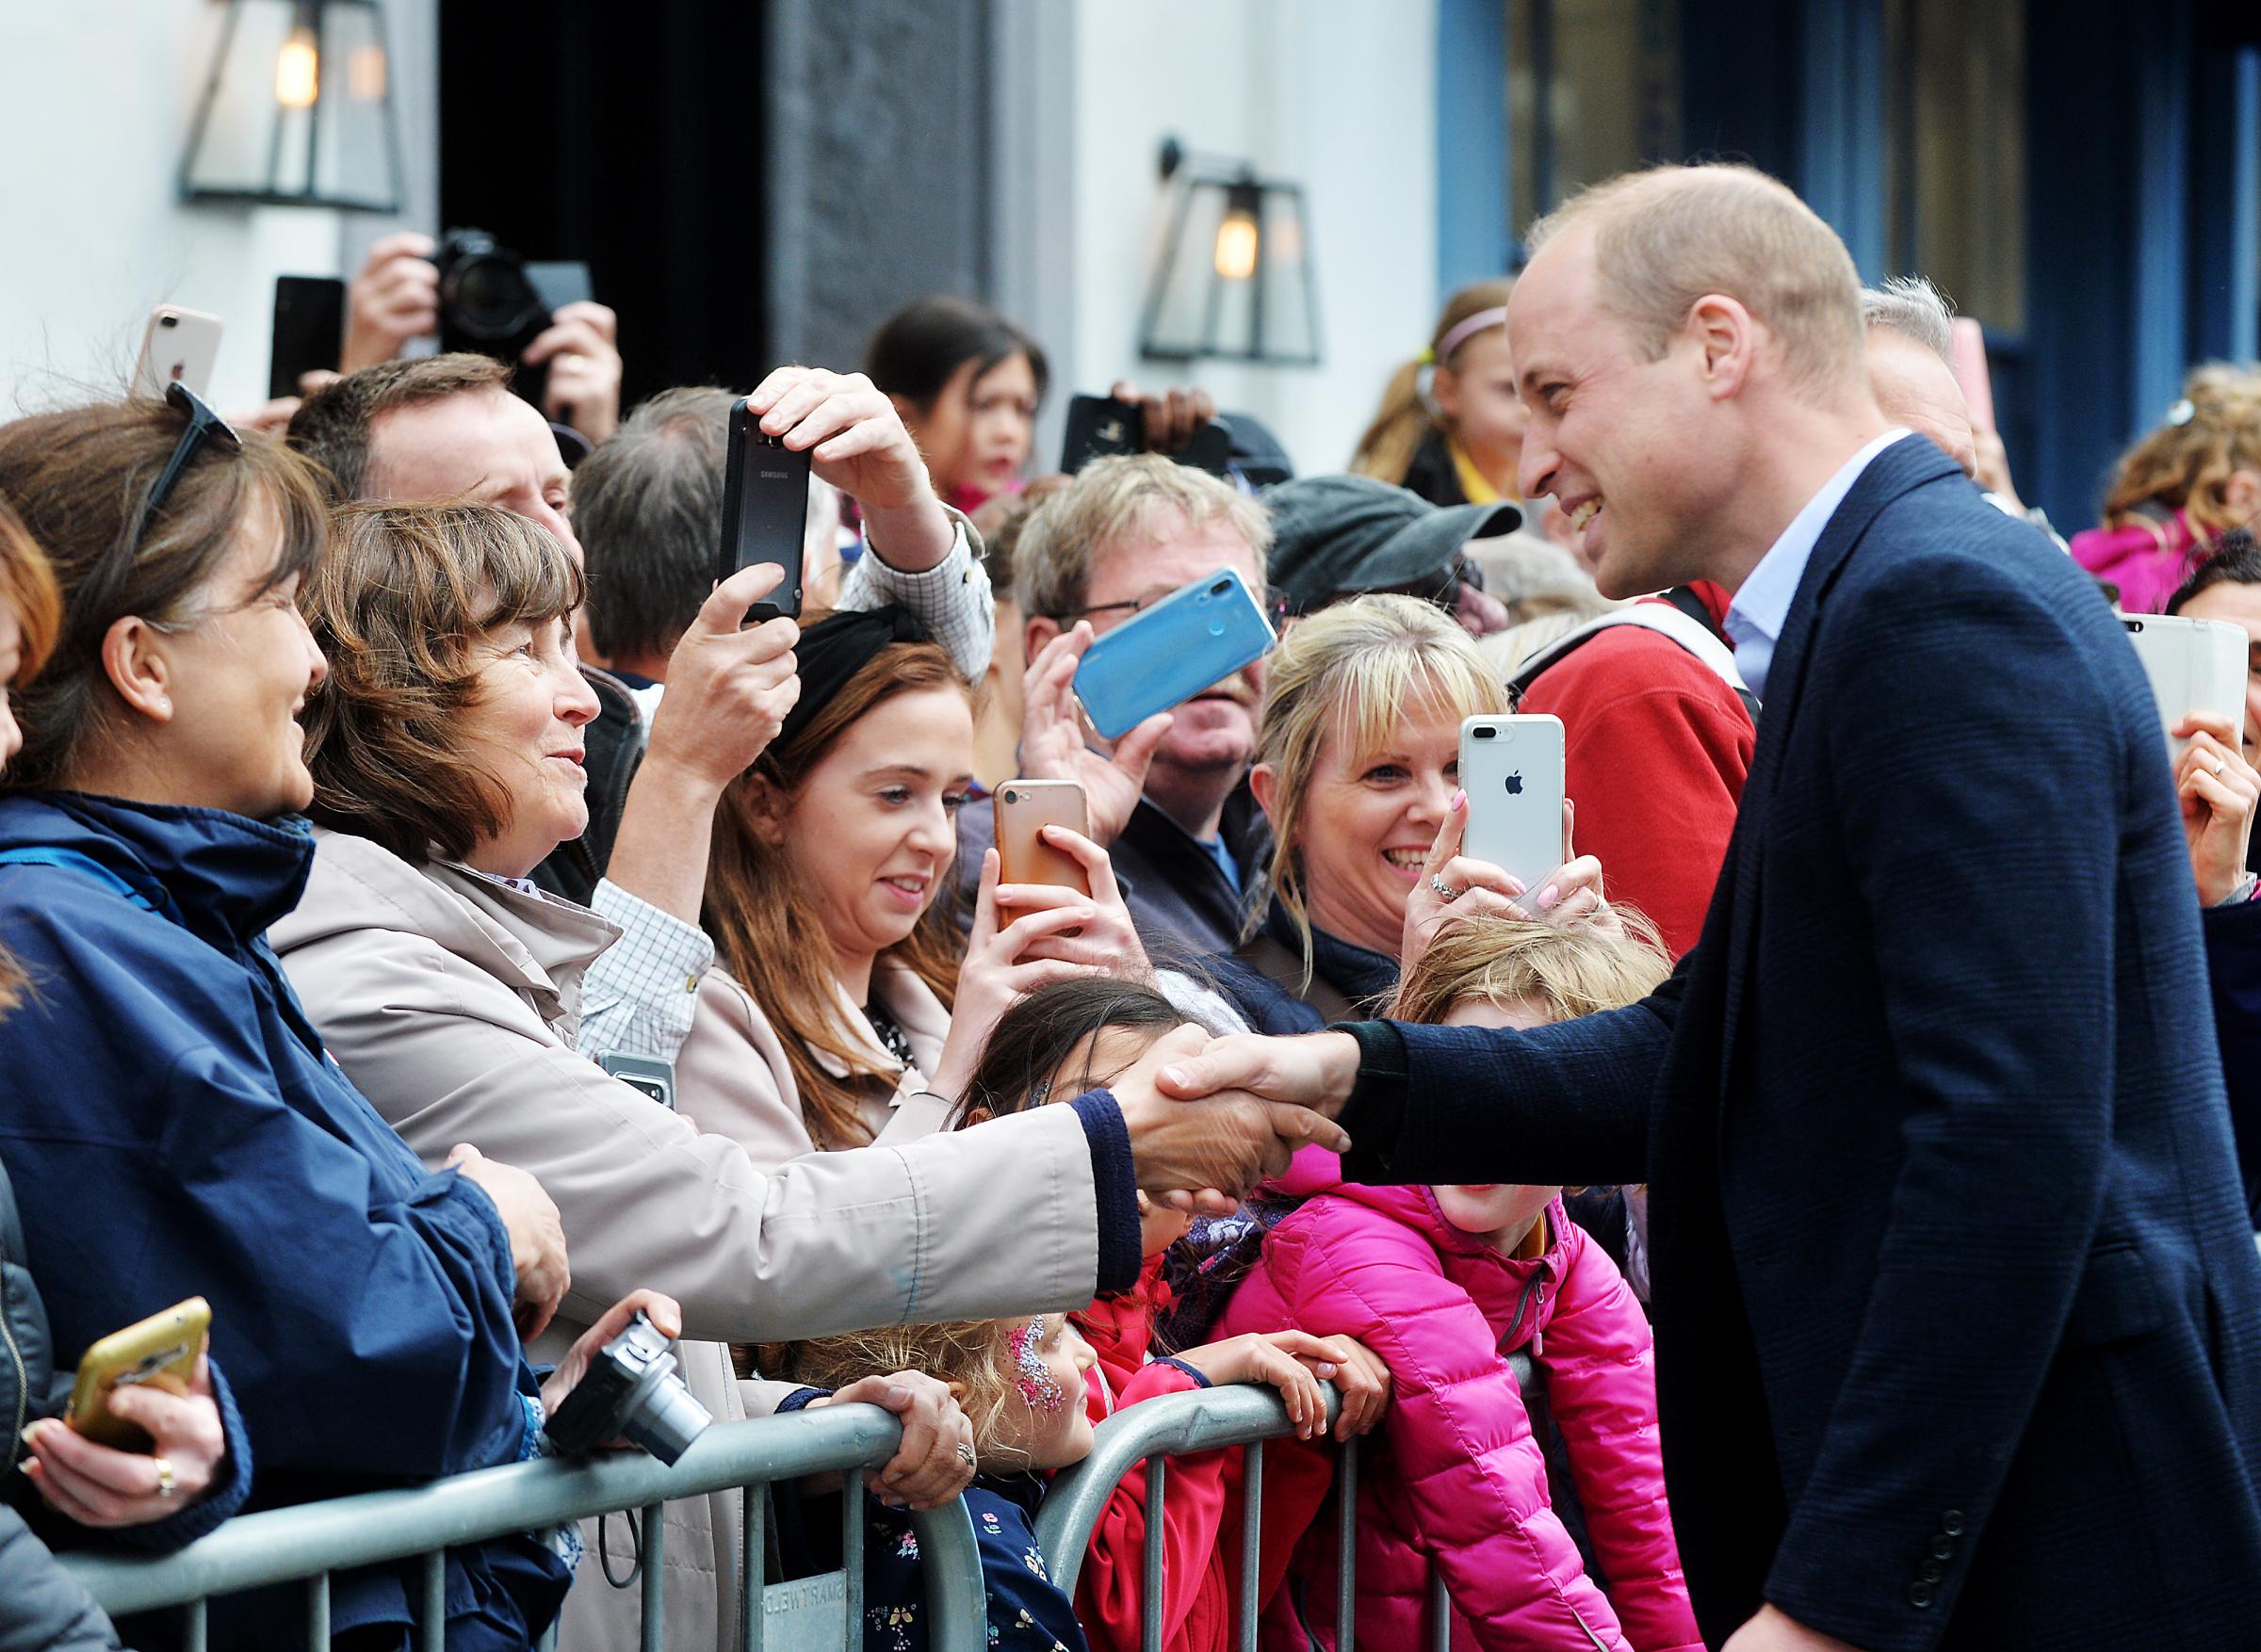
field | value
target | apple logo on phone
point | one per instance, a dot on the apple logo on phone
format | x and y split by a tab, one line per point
1514	786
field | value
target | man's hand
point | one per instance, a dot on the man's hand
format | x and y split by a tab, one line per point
1221	1147
395	297
856	440
2217	790
1053	745
664	1312
536	1233
580	344
1172	419
934	1463
1769	1629
1317	1071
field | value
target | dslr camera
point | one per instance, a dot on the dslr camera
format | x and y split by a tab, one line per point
630	1392
492	302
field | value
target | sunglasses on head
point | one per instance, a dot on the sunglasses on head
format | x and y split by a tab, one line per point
204	426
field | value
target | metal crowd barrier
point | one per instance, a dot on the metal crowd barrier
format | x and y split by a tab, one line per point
1172	1425
313	1540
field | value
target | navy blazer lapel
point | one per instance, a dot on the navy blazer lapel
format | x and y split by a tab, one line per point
1905	465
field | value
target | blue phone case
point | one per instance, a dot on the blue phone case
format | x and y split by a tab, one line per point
1200	634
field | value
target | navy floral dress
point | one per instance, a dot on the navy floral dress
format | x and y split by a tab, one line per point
1026	1611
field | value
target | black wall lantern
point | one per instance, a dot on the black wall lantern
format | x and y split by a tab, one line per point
298	111
1234	280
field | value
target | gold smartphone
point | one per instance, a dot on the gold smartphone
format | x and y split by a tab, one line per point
160	1351
1024	808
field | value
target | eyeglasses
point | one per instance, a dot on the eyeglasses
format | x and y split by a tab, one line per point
204	426
1274	606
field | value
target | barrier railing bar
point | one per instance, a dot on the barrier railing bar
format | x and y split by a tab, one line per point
852	1553
654	1551
192	1637
1346	1548
433	1620
957	1596
753	1562
1252	1533
1150	1605
1441	1612
317	1612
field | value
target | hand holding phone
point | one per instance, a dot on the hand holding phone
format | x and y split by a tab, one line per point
1512	770
764	512
160	1352
2195	666
1162	656
1023	809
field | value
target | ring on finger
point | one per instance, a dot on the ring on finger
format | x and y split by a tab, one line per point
966	1455
1446	892
2220	768
165	1483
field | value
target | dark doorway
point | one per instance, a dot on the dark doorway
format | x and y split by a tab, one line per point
630	137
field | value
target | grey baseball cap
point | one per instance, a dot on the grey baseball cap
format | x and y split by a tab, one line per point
1335	536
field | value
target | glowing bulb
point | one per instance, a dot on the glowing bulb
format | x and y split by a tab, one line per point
364	73
1236	247
298	71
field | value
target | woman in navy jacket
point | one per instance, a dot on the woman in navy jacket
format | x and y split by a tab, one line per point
174	1126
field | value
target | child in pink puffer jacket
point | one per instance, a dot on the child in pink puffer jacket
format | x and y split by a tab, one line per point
1443	1283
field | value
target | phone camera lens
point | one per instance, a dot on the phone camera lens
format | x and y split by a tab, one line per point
1488	734
1012	796
1220	588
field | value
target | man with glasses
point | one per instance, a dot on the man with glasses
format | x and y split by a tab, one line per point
1167	799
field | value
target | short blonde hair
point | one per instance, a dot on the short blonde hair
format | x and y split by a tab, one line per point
973	1355
1666	237
1353	672
1571	972
1114	499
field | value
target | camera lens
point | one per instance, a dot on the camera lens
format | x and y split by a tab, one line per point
663	1417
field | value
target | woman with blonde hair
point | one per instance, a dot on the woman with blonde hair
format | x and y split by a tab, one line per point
2179	489
1457	438
1359	769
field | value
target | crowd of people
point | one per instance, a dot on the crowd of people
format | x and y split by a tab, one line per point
437	927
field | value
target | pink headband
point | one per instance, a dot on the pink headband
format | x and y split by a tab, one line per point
1495	316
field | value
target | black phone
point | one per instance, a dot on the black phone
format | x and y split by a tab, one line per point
310	329
1100	427
765	511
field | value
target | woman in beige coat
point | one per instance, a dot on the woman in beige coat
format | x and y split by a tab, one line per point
445	747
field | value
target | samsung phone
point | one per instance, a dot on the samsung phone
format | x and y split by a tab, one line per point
178	346
1023	809
160	1351
2194	665
1511	768
1100	427
310	329
1197	636
765	511
648	1073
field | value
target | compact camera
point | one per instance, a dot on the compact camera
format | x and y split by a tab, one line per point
630	1392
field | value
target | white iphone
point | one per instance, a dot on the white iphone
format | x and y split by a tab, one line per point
1512	770
2194	665
178	346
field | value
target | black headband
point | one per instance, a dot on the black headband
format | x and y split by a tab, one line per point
832	651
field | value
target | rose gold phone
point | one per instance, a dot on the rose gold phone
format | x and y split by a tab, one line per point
1024	808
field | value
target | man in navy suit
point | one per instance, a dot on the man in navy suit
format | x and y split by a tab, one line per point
1958	1315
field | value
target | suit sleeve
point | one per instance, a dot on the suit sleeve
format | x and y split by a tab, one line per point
1981	789
1461	1446
1600	1371
1110	1590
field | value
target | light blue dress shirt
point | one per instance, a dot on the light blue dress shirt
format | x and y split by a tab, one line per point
1754	619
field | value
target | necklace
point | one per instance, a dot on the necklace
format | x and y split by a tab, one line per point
890	1032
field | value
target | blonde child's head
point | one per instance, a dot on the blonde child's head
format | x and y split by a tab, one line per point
1019	1381
2204	459
1505	972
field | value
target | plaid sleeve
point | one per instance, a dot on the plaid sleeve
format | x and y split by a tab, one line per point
639	995
951	599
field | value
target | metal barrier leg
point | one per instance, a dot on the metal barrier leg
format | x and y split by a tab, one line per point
1252	1537
1346	1550
431	1620
655	1577
753	1560
1149	1606
852	1552
1441	1612
192	1632
317	1612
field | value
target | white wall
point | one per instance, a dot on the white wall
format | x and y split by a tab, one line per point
1338	95
96	97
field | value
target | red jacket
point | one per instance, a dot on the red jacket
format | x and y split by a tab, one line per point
1201	1502
1656	747
1456	1478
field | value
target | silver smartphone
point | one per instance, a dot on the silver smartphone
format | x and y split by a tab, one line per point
1512	770
178	346
2194	665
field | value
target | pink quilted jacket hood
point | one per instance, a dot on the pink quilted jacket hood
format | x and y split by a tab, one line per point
1456	1477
